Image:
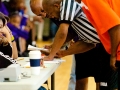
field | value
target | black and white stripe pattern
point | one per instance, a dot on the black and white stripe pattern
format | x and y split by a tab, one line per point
67	10
6	57
85	30
71	11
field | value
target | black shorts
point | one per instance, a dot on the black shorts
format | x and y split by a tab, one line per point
96	63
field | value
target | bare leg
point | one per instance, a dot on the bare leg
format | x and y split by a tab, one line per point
82	84
97	86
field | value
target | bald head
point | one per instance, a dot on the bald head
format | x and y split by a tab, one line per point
36	6
45	8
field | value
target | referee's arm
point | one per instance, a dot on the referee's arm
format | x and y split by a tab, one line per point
59	40
78	47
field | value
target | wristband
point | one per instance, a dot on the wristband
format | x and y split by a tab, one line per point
12	38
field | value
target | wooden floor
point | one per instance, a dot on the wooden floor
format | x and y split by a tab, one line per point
62	74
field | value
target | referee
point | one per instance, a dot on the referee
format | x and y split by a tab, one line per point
70	18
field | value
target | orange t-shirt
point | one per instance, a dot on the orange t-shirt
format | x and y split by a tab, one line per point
103	15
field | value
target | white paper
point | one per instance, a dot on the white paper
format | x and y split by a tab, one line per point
55	61
30	47
45	62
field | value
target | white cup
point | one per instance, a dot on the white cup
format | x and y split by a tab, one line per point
35	57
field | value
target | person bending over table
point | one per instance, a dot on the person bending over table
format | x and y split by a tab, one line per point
70	16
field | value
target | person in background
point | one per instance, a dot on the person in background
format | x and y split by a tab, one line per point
21	36
38	23
19	6
7	9
14	47
5	12
53	29
5	44
10	36
3	8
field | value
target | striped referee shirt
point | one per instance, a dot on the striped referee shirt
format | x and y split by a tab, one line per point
71	12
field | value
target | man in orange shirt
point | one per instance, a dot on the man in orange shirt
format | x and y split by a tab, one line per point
104	15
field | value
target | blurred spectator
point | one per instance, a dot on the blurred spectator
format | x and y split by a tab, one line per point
3	8
5	44
38	22
25	24
11	6
10	38
19	6
20	35
53	29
